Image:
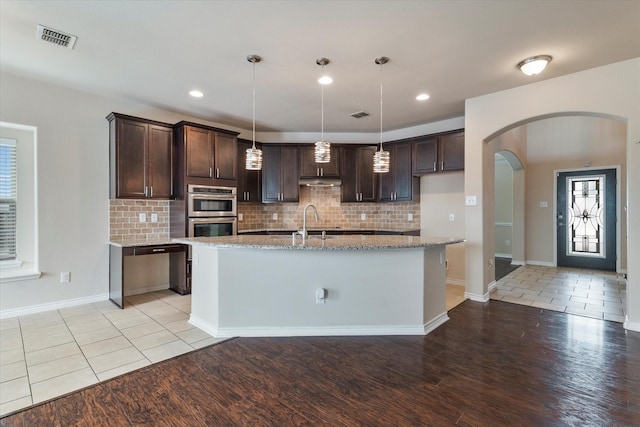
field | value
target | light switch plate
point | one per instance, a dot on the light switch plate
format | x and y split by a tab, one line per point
452	217
154	217
143	217
363	216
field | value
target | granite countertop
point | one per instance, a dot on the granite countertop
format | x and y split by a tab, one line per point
137	242
328	229
350	242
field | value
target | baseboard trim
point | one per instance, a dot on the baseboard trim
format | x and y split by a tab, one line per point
148	289
313	331
631	326
456	282
477	297
39	308
517	262
541	263
503	255
492	286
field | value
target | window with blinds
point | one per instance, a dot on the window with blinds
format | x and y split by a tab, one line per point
8	199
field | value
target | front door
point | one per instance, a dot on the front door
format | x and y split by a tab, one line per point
586	221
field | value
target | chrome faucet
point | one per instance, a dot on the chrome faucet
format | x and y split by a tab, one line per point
303	232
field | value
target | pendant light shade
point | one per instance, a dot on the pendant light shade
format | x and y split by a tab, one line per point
382	158
253	159
322	147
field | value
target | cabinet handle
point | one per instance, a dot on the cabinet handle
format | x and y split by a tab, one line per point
442	166
158	250
434	166
317	171
217	173
210	173
321	171
151	192
145	191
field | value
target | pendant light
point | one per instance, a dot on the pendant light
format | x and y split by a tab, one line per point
323	148
382	158
253	160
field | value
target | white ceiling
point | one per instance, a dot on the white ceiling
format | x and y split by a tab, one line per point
156	51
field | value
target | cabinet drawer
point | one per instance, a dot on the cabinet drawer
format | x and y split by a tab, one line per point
158	249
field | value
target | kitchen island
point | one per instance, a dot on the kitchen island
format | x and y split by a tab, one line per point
342	285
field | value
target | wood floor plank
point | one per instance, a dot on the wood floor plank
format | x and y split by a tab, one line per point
492	364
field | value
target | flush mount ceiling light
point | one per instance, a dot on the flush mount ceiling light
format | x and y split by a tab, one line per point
534	65
322	147
423	97
253	160
381	159
196	94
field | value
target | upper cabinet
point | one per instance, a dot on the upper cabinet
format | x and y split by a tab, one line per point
141	158
207	156
248	180
399	184
358	178
280	173
439	153
310	169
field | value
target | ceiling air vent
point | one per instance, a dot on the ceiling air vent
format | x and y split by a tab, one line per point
56	37
359	114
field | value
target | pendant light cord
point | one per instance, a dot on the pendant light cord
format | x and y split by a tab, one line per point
322	109
254	105
381	106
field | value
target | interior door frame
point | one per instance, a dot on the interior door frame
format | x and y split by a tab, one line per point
618	207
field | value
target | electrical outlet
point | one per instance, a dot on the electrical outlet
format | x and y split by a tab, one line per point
240	217
410	217
471	201
363	216
143	217
154	217
275	215
508	242
65	277
452	217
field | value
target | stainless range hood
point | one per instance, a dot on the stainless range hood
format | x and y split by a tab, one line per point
320	182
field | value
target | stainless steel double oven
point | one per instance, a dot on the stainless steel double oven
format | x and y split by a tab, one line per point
211	211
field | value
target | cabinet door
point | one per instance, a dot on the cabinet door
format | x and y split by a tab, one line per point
199	153
270	174
396	185
160	162
366	178
452	152
402	172
289	174
225	153
310	169
349	189
425	155
131	146
248	180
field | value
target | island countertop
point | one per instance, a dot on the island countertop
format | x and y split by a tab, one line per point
348	242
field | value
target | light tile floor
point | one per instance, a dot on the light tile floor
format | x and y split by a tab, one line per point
52	353
455	296
591	293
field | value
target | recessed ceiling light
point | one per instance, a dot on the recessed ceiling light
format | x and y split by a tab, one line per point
196	94
422	97
325	80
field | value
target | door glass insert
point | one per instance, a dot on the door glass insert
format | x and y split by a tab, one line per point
585	208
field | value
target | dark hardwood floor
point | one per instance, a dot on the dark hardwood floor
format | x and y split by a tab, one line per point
492	364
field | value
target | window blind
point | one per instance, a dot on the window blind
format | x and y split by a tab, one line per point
8	199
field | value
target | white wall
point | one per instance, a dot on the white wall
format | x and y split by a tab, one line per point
612	90
73	180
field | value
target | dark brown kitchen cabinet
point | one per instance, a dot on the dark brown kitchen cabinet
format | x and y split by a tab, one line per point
207	156
358	179
141	158
280	173
439	153
248	180
398	184
310	169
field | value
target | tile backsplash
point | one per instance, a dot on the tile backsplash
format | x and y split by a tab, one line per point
124	215
332	213
124	220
